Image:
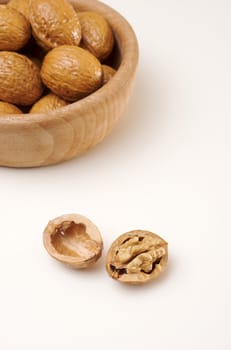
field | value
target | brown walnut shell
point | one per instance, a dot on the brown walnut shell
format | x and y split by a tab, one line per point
73	240
137	257
8	108
108	73
20	81
97	35
48	103
54	23
21	6
71	72
15	29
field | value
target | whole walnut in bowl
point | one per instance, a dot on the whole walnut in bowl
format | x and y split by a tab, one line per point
51	136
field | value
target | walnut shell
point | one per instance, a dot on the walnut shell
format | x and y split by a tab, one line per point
73	240
137	257
71	72
8	108
54	23
20	81
21	6
48	103
108	73
15	29
97	35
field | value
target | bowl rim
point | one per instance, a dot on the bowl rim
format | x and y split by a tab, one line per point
128	46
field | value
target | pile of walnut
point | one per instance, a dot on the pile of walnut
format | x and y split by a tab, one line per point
50	55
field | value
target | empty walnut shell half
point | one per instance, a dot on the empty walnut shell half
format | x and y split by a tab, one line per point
137	257
73	240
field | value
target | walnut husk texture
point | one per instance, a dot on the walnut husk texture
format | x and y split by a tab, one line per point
21	6
108	73
137	257
20	81
71	72
97	35
8	108
48	103
54	23
15	29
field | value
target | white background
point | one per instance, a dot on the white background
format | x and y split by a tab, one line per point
165	168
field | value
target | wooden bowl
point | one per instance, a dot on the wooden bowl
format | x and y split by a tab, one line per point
32	140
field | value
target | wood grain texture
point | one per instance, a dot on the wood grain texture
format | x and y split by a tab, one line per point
43	139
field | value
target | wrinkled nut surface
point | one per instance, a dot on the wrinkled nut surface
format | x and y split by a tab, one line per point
54	23
15	29
20	81
97	36
21	6
137	257
108	73
73	240
71	72
48	103
8	108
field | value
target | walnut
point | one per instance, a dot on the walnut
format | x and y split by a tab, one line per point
137	257
73	240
